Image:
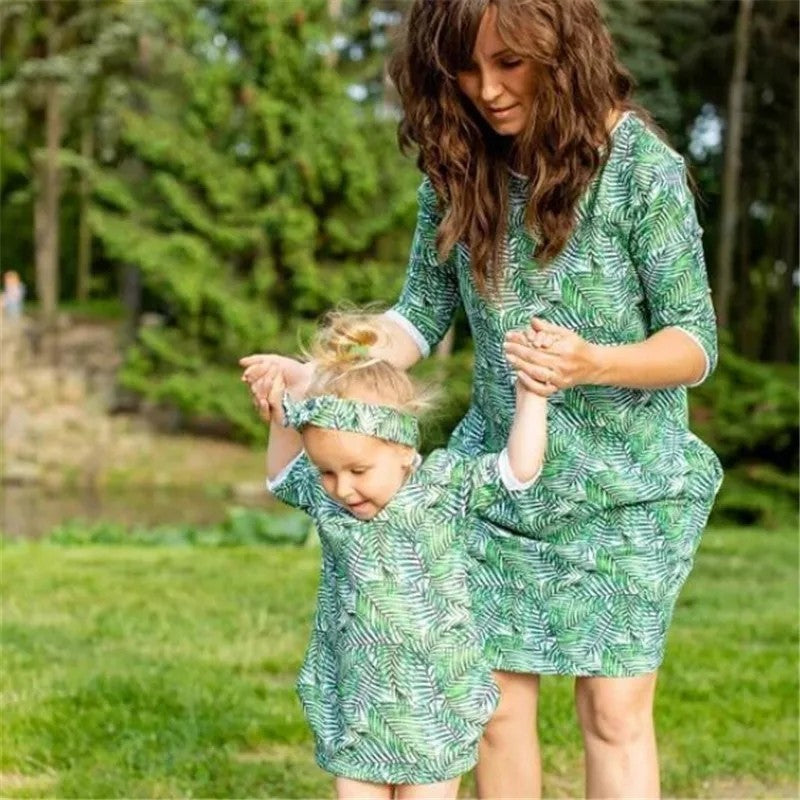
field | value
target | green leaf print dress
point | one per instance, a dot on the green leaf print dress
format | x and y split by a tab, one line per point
592	592
395	683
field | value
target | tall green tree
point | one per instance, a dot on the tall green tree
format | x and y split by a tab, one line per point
250	192
56	55
700	39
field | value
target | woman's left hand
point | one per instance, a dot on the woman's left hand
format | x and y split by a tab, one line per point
547	357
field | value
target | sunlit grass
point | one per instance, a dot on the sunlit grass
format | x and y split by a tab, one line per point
169	672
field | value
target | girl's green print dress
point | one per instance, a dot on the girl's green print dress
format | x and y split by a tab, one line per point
395	684
590	593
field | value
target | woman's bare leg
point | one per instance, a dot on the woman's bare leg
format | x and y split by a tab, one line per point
616	717
508	759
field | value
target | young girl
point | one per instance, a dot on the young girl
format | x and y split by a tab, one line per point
394	683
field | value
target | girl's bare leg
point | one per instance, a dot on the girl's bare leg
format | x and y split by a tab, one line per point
349	789
444	790
508	759
616	717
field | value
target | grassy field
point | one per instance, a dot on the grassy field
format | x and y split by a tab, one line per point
168	672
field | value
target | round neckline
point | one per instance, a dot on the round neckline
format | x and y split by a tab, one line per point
409	481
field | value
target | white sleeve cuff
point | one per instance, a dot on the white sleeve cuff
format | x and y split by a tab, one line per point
510	480
707	370
411	329
273	483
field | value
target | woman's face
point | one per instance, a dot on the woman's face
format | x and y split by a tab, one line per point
499	83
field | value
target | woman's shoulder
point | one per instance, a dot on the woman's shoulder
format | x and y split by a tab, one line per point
427	199
643	158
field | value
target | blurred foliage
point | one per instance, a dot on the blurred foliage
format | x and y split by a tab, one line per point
757	494
251	194
242	527
748	411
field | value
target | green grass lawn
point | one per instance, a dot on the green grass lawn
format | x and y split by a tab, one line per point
169	672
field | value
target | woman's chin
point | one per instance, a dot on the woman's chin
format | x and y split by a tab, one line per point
507	128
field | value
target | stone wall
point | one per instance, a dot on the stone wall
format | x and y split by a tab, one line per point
56	390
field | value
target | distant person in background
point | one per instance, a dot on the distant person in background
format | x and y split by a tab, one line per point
13	295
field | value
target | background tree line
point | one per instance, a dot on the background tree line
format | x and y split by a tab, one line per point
231	166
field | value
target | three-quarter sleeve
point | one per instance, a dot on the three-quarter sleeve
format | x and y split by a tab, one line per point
667	249
430	294
298	484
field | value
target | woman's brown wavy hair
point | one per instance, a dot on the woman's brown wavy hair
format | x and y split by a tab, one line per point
579	81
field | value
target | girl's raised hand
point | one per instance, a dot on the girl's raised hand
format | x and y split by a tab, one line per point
295	375
262	390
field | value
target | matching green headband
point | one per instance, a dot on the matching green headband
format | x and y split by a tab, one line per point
341	414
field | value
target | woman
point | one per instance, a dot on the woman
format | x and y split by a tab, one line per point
550	204
549	196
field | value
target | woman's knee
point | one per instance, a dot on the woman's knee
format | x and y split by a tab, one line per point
515	715
616	711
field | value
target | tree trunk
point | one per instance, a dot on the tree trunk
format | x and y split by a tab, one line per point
46	208
744	274
131	296
782	340
732	169
84	234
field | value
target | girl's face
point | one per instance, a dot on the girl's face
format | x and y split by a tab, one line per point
499	83
360	472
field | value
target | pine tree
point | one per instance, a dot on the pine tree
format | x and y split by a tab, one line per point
251	192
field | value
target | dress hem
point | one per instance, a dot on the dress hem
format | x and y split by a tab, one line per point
515	665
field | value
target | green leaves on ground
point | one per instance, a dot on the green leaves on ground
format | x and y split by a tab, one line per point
242	527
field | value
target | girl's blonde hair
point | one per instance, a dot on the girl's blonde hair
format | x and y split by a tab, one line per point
345	367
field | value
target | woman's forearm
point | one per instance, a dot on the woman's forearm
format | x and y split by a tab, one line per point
400	350
668	358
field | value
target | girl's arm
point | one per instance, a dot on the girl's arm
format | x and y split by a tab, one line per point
284	444
527	439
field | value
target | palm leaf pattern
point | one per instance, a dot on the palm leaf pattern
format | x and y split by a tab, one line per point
395	683
344	414
580	574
